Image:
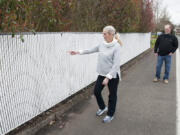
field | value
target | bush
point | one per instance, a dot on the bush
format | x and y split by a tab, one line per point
75	15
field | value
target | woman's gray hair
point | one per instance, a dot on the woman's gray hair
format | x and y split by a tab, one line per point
110	29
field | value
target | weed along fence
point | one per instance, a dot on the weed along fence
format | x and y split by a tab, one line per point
39	73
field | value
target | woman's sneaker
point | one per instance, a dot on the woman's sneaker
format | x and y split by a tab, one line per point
100	112
108	119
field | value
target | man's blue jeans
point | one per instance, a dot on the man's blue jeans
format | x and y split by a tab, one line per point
167	60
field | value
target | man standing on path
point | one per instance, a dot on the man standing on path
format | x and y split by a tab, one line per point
165	46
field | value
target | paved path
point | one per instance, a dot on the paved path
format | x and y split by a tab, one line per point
143	108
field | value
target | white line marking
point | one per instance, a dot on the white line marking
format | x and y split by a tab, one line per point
178	91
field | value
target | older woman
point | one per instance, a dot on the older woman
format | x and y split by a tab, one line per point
108	68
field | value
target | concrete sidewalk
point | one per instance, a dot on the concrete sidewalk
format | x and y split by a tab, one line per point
143	108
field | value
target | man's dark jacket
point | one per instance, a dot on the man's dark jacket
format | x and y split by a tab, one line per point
165	44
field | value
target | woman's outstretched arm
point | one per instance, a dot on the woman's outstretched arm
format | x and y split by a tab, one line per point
87	51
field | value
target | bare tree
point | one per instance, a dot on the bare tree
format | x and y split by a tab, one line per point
164	19
157	6
161	15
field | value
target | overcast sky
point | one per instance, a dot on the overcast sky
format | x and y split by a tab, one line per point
173	7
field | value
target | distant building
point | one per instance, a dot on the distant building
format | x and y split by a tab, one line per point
177	30
159	33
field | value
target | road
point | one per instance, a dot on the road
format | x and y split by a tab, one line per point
143	108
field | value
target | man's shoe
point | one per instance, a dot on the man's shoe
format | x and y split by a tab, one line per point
166	81
156	80
100	112
108	119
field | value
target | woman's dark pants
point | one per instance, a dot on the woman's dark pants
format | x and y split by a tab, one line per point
113	86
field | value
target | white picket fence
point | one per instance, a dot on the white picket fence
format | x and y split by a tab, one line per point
39	73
